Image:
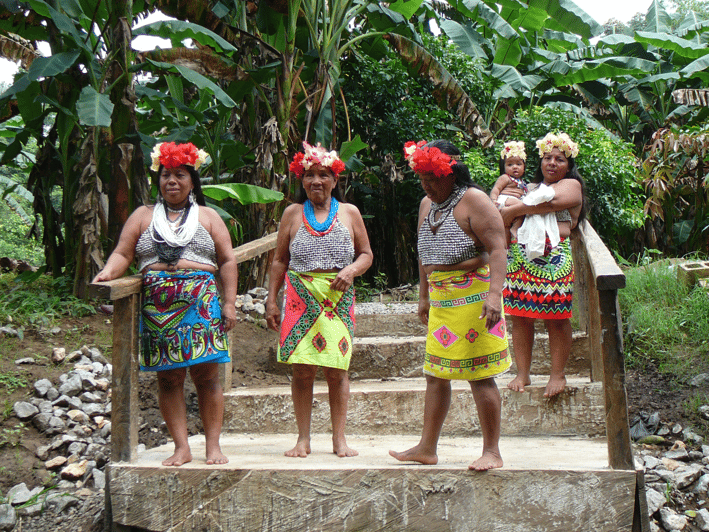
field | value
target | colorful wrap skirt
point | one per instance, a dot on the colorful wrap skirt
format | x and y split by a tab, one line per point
540	288
458	345
181	321
318	323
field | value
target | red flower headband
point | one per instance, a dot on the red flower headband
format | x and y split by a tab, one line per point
316	155
426	160
172	155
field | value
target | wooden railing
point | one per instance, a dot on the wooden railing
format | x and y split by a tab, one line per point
598	279
125	294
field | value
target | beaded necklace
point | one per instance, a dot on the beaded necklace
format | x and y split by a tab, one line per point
445	208
311	223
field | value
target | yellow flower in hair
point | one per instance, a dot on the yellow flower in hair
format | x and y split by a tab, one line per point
561	141
513	148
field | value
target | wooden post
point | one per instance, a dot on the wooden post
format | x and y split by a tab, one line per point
620	454
594	327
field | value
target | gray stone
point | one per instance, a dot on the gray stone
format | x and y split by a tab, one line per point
94	409
664	430
700	379
702	484
18	494
106	430
65	485
61	502
56	425
77	448
24	410
96	356
676	428
42	452
72	386
41	421
107	408
690	436
672	520
45	407
74	356
651	462
705	450
248	307
702	520
23	361
9	331
247	299
260	309
655	500
679	454
100	479
97	368
8	517
704	411
685	477
90	397
55	330
259	292
696	456
53	394
42	386
31	510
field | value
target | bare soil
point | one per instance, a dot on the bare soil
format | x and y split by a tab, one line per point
254	356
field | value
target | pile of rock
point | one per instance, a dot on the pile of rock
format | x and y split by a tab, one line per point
76	411
676	482
252	306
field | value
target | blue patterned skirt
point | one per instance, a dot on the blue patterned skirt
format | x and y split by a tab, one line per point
181	321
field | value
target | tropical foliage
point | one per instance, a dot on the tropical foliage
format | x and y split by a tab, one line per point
249	80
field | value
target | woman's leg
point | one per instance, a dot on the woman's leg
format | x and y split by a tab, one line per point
211	407
171	398
435	410
523	340
489	405
302	392
560	348
338	384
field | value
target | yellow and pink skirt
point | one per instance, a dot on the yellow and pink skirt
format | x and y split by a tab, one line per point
458	345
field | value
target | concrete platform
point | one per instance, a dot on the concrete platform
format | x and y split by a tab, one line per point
547	485
395	406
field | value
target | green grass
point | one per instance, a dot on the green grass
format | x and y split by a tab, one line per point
665	323
33	301
13	240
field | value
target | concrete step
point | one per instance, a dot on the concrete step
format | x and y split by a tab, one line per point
395	406
546	485
381	357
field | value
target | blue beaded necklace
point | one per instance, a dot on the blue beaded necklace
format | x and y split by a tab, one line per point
309	213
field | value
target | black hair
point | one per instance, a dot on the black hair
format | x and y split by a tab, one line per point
571	173
301	196
196	183
460	170
502	164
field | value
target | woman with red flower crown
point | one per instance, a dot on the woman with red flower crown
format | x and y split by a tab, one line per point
461	245
322	246
179	245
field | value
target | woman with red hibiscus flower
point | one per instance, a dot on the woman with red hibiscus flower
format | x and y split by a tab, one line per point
322	246
462	260
179	245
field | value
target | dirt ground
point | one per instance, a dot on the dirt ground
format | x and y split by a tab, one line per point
254	363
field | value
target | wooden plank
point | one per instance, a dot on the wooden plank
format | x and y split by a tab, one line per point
124	399
118	288
594	328
607	273
255	248
405	498
620	454
641	519
581	281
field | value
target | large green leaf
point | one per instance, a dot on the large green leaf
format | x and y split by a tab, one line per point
349	148
681	231
490	18
407	8
42	67
657	19
93	108
467	38
198	80
608	67
666	41
242	192
565	15
178	30
697	68
513	80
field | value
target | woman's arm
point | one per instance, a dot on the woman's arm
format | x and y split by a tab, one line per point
279	265
228	270
487	227
568	195
123	255
363	251
424	301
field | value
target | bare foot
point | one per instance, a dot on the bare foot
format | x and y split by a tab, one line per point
518	383
555	386
342	450
489	460
301	449
216	457
415	455
179	458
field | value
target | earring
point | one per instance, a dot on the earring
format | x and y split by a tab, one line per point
192	197
158	199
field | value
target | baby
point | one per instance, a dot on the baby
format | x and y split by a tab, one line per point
511	183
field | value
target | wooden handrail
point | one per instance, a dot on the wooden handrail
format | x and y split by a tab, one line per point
125	294
598	280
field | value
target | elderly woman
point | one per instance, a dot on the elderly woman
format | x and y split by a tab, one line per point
461	245
540	270
322	246
179	245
